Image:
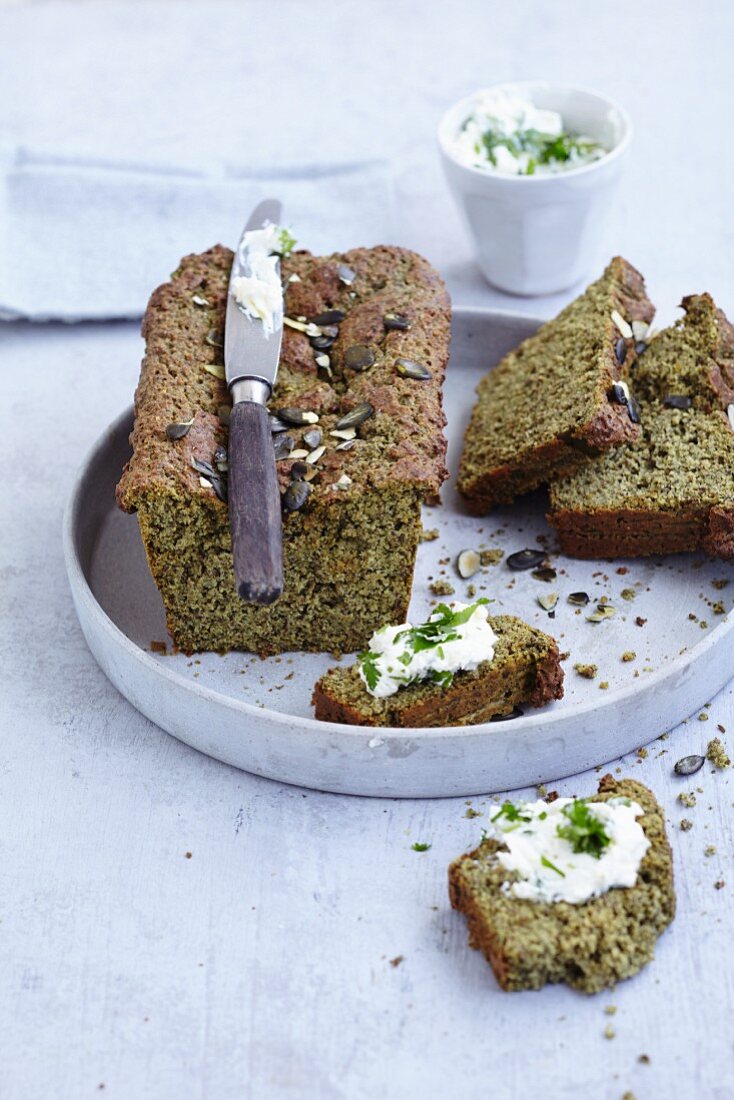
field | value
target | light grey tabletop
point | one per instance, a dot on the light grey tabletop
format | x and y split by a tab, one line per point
174	928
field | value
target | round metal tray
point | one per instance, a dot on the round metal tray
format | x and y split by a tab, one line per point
256	714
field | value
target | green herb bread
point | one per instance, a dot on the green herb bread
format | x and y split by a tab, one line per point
673	488
550	403
525	669
588	946
351	535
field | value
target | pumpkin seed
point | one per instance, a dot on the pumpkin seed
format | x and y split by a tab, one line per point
603	611
322	343
214	338
210	478
622	326
730	414
640	346
298	469
276	424
359	357
677	401
299	326
202	467
525	559
298	418
221	459
296	495
346	445
640	329
315	455
467	563
199	300
689	765
283	445
312	438
356	416
545	573
620	350
515	713
178	431
298	453
343	482
548	602
344	433
329	317
407	368
346	274
619	393
579	599
396	321
324	362
217	369
294	278
633	410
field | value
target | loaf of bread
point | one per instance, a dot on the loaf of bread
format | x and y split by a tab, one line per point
364	353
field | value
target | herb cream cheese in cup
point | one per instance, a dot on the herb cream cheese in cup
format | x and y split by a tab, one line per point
533	167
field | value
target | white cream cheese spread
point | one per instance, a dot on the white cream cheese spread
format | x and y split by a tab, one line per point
260	293
508	134
571	849
454	638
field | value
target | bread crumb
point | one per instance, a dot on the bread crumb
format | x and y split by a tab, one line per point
717	754
442	588
644	1059
688	799
157	647
397	960
493	556
629	655
610	1010
604	685
640	621
188	855
472	813
471	591
609	1032
642	753
429	534
686	824
628	594
703	717
719	884
710	850
587	671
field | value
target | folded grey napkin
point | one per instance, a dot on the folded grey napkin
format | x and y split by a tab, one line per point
89	240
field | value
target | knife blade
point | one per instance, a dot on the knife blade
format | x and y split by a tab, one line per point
251	354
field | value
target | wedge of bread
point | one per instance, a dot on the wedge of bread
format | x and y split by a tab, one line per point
551	403
589	946
673	488
525	669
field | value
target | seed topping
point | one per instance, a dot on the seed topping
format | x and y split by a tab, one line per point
677	401
689	765
525	559
178	431
359	357
622	327
356	416
467	563
408	368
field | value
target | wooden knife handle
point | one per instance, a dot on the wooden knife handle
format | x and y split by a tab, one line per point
254	505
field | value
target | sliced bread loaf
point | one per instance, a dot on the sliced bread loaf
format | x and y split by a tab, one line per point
525	669
552	402
673	488
588	946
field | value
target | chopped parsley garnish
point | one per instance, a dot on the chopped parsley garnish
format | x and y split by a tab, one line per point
369	668
420	847
585	831
542	148
287	243
511	812
547	863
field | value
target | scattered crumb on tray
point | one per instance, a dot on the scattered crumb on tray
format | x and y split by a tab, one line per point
717	754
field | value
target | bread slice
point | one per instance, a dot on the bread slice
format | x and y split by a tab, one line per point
673	488
549	404
529	944
525	669
352	513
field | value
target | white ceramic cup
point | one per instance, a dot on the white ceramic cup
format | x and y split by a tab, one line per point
540	234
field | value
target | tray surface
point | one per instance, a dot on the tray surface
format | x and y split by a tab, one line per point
256	714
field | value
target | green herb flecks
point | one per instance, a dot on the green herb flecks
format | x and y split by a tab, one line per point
367	662
585	831
287	243
420	847
542	149
547	863
511	812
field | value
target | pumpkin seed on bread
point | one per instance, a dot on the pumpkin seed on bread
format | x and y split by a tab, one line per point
556	399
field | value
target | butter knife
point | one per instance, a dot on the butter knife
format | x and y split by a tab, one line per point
251	353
